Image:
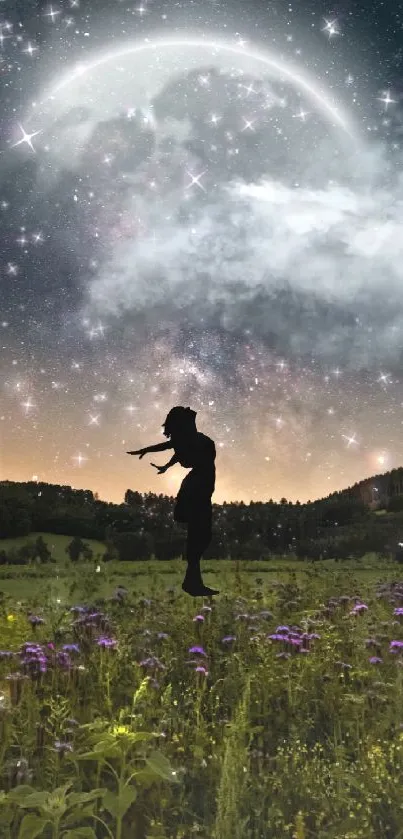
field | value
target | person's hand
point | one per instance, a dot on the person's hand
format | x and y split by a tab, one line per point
140	452
161	469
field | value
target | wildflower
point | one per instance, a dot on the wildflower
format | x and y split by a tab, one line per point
106	642
121	729
11	618
64	660
359	609
197	650
152	662
35	620
34	661
198	618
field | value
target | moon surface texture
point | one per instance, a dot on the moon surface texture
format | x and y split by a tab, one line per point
204	176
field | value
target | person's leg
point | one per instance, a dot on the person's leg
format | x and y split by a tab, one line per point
199	538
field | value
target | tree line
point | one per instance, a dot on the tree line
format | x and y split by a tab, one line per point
339	526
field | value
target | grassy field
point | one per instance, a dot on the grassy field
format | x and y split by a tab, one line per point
272	711
145	577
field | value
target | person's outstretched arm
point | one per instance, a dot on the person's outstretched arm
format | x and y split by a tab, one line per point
159	447
161	469
174	459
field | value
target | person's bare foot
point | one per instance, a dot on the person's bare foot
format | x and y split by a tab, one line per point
199	591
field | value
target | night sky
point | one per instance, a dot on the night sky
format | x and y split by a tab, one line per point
201	204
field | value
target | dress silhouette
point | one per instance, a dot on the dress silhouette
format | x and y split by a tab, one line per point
196	451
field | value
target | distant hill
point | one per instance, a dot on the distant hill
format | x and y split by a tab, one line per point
378	491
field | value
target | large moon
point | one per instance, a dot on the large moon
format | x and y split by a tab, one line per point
136	76
196	179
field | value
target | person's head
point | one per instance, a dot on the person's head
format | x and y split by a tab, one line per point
179	419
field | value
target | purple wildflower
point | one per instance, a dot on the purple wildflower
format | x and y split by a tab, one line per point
106	642
64	660
359	609
152	662
35	620
197	649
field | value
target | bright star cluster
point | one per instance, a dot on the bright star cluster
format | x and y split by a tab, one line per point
200	204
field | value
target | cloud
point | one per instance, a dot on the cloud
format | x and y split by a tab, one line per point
309	270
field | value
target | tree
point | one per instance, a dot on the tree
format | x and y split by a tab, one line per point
41	550
75	548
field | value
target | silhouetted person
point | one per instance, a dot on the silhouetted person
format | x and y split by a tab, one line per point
193	503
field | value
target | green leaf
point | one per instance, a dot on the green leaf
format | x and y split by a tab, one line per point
20	792
106	741
89	756
53	803
80	833
32	826
118	804
161	766
106	748
85	811
39	798
82	797
145	777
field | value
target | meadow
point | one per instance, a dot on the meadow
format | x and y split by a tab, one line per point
272	711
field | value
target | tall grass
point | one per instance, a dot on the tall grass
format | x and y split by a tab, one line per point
271	712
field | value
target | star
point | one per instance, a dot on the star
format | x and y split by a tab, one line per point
26	138
386	99
249	123
79	458
195	180
301	115
249	88
331	27
350	440
52	14
30	49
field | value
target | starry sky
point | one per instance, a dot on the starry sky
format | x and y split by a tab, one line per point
201	204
